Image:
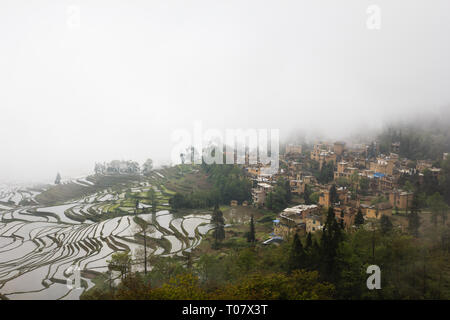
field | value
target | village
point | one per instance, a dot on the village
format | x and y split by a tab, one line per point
351	180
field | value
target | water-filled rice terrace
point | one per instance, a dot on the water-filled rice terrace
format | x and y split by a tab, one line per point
39	243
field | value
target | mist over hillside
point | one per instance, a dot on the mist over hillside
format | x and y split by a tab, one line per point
422	134
420	137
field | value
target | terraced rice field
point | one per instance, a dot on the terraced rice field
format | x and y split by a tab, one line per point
39	243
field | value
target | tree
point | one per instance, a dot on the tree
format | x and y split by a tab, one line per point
359	218
413	217
58	178
120	261
183	287
287	187
147	167
251	234
269	202
408	186
218	221
153	199
354	178
280	196
326	173
132	167
276	199
364	185
307	194
177	201
309	242
296	254
314	197
331	238
299	285
372	151
136	204
144	228
414	223
99	168
229	183
430	183
385	224
134	286
333	194
444	180
438	208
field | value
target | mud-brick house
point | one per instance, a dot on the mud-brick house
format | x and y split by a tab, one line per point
293	149
313	223
400	199
345	215
294	220
260	193
339	148
297	186
342	194
376	211
324	198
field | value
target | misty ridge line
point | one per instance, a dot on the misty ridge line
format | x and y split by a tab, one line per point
437	123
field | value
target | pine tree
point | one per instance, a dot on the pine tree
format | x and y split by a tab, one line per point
296	254
307	194
438	208
386	224
331	238
333	194
359	218
251	235
153	200
314	256
269	201
308	241
287	187
147	167
136	206
413	218
218	221
58	178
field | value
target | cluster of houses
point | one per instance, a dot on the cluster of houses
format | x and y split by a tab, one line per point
117	167
354	166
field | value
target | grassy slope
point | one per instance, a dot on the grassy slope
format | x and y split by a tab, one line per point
65	192
184	179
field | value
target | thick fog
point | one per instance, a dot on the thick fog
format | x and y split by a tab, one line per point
87	81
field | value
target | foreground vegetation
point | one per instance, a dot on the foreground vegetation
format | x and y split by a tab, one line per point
328	265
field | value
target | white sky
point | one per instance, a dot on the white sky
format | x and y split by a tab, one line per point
134	71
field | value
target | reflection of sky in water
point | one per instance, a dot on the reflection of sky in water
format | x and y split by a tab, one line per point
39	248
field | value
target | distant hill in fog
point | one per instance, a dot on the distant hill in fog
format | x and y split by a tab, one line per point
423	138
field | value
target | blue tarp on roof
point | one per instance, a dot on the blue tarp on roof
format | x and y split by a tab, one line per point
378	175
